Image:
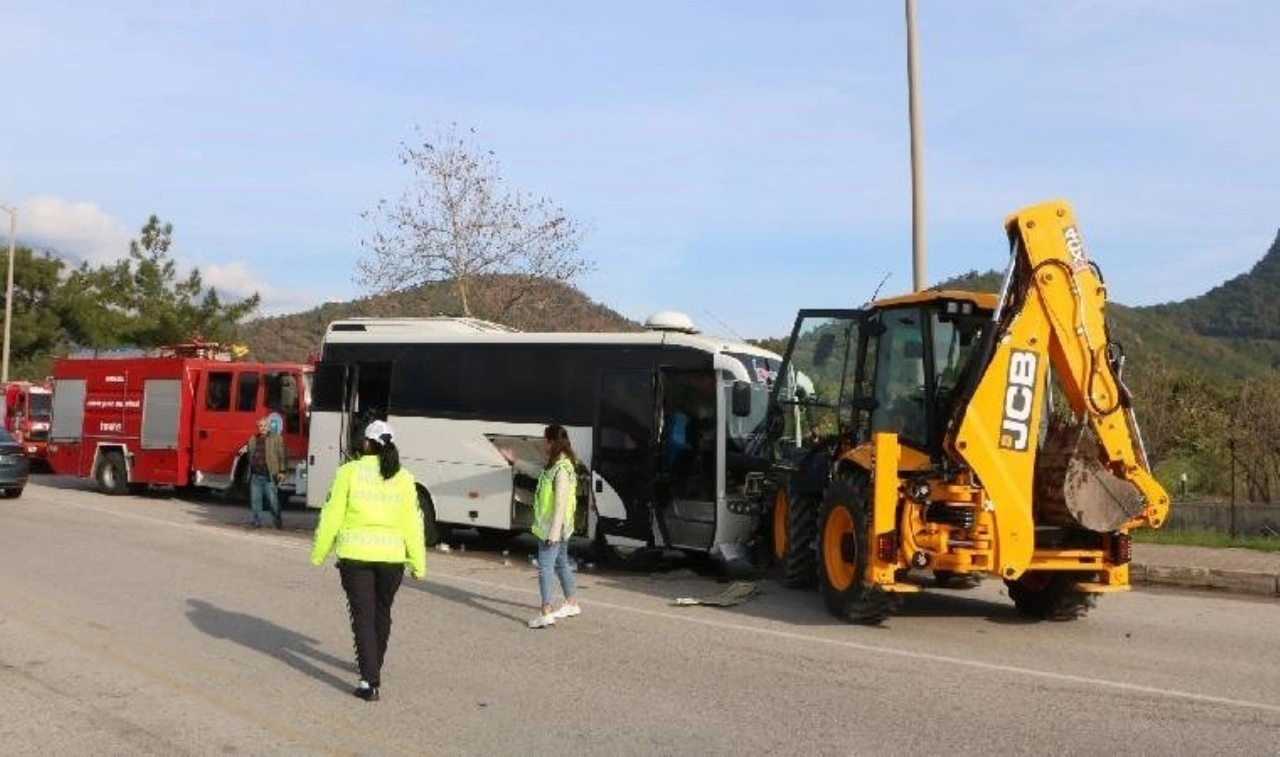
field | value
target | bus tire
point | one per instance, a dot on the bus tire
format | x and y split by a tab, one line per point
112	475
433	533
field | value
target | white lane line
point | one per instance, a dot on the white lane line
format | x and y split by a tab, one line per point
1101	683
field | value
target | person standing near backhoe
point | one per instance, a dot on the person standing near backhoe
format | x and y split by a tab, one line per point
372	516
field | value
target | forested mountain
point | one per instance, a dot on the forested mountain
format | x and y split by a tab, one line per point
550	306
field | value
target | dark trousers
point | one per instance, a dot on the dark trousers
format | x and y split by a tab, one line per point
371	588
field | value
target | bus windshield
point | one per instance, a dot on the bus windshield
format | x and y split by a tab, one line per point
747	434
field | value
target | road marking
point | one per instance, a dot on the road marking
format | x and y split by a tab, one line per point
789	635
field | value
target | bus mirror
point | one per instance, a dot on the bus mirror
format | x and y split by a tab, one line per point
741	399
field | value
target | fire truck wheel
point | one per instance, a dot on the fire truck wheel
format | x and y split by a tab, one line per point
112	475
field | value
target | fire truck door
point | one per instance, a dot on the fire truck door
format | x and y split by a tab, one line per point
226	416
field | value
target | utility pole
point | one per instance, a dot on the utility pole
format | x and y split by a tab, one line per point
917	162
8	296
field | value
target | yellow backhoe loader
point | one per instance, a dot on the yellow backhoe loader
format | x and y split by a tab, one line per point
967	434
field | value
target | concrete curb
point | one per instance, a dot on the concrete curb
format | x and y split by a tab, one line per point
1233	581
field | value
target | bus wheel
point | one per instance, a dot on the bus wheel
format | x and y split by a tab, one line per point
433	533
112	475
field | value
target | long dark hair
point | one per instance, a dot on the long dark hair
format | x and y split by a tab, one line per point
388	455
560	445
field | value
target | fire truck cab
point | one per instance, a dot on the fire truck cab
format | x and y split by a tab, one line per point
181	418
26	413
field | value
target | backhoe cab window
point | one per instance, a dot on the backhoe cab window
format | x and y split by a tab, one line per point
954	340
900	379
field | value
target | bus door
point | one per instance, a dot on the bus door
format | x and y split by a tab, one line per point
685	480
624	446
328	430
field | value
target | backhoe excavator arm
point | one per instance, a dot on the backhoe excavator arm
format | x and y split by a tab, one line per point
1051	313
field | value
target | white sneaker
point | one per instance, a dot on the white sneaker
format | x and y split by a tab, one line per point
543	621
567	611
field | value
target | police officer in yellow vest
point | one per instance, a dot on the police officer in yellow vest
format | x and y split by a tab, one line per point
372	516
554	502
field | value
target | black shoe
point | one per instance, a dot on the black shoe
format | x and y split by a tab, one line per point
367	693
279	524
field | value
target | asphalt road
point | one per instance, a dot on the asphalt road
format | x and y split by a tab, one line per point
151	626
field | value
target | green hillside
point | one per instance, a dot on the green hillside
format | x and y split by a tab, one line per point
1231	332
550	306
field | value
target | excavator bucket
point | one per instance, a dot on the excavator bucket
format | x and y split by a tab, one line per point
1074	487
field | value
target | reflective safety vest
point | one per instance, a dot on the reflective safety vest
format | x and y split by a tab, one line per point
544	500
372	519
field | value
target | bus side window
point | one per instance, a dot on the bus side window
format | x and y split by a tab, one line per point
217	396
247	392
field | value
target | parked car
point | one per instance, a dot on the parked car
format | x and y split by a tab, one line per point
15	466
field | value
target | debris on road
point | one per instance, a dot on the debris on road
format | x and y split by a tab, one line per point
734	594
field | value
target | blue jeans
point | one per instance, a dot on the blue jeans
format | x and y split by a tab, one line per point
262	485
555	556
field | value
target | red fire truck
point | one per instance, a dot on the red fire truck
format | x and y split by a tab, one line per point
180	418
26	412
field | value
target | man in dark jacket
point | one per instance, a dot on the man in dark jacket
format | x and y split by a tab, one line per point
266	470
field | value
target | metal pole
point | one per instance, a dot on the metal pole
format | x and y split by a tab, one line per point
1231	445
917	162
8	296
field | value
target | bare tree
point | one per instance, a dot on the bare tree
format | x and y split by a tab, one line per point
458	222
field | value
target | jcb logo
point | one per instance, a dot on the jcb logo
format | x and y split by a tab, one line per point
1019	400
1075	248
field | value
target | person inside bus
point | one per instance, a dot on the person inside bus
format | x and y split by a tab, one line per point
371	519
266	471
554	504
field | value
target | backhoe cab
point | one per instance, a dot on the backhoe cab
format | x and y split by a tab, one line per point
969	434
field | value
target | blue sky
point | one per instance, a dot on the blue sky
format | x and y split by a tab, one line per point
734	160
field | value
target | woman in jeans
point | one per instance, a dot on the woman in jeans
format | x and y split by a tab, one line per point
554	503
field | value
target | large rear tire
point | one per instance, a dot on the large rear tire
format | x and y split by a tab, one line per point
842	556
795	531
112	474
1050	596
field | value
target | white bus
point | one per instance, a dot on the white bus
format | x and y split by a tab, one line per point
667	422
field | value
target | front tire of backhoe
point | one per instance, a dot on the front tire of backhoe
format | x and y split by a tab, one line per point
842	557
795	527
1050	596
